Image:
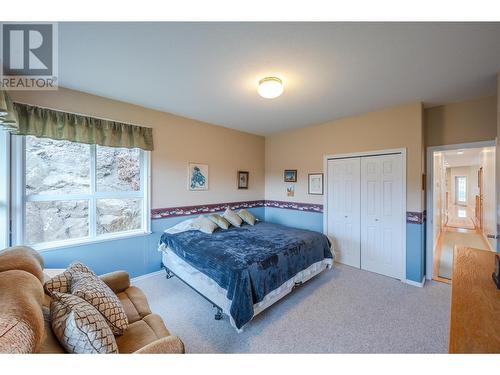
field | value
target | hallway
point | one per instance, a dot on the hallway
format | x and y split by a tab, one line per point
463	205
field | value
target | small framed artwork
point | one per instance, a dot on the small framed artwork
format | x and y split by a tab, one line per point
197	176
290	190
242	180
290	175
315	185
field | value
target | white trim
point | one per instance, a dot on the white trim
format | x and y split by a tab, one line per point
146	276
19	200
75	242
416	283
4	189
401	151
429	252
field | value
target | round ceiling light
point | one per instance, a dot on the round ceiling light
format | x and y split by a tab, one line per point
270	87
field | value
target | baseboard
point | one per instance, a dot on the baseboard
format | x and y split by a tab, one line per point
146	276
416	283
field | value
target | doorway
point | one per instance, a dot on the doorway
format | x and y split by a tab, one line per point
365	210
461	203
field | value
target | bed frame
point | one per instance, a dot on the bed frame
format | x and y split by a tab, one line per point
219	312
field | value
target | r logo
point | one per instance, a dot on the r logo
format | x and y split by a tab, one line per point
27	49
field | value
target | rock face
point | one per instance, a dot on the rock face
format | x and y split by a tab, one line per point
58	168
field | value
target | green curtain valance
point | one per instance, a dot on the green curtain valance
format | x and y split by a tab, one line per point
26	119
7	116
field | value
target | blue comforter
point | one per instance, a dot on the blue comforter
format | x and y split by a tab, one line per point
250	261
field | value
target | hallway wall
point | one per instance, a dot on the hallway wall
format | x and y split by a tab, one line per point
438	194
487	161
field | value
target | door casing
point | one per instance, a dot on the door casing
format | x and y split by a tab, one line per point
429	248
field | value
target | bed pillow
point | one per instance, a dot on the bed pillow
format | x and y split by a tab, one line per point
219	220
205	225
92	289
79	327
246	216
232	217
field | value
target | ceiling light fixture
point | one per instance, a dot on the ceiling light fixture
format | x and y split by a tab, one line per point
460	153
270	87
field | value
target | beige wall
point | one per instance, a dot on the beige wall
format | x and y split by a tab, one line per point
303	149
469	121
178	140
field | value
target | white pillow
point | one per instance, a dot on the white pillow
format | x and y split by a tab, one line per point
246	216
183	226
204	225
232	217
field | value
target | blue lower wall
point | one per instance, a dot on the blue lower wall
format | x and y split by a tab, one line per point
139	255
136	255
295	218
415	236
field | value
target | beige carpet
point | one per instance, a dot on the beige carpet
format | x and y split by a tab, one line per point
450	239
344	310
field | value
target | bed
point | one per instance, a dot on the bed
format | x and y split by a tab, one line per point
243	270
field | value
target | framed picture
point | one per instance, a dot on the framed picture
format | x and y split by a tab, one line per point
315	184
197	176
290	190
290	175
242	180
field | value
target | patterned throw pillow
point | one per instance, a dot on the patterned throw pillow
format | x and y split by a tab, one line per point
232	217
89	287
246	216
79	327
219	220
204	225
62	282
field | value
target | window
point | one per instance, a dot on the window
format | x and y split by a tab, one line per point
70	193
461	189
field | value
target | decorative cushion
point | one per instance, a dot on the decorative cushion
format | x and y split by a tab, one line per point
62	283
79	327
232	217
219	220
246	216
204	225
93	290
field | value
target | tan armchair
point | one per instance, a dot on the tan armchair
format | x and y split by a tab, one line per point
24	310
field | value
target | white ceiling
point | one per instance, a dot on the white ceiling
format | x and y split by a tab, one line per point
468	156
209	71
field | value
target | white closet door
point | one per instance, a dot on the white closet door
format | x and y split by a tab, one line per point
381	214
344	209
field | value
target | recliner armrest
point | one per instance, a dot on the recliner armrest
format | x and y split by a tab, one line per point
118	281
165	345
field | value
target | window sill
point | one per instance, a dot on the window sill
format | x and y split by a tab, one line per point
57	245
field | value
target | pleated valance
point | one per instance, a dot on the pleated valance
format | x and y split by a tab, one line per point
41	122
7	116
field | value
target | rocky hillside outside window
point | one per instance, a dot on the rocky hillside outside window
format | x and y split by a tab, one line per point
75	193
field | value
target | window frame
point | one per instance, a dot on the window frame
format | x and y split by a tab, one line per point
457	189
4	189
19	199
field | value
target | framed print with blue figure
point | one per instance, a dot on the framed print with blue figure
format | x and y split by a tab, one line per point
197	176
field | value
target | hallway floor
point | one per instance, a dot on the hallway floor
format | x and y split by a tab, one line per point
460	230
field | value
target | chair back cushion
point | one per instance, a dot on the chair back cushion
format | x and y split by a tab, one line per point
22	258
21	317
